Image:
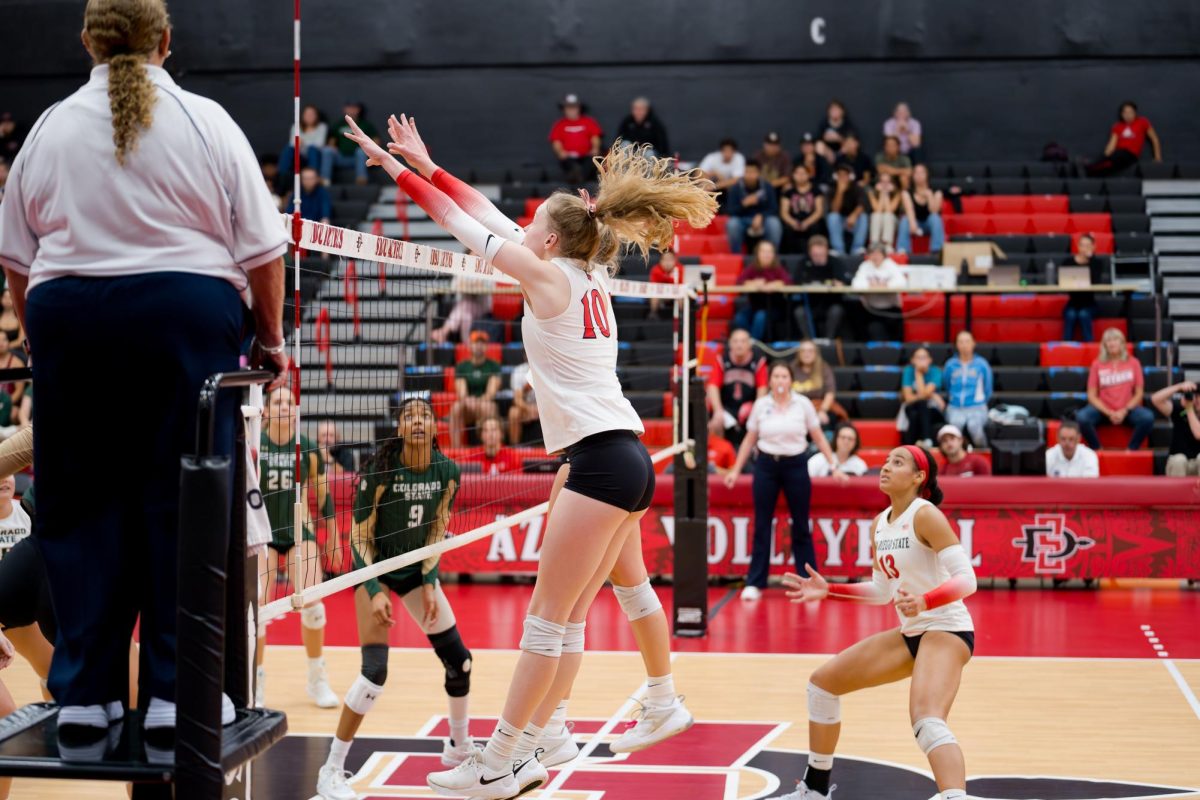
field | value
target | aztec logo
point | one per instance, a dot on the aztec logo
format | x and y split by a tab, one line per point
712	761
1048	544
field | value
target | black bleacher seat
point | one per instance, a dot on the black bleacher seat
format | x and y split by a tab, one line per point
1141	306
1007	186
1059	404
645	379
881	353
346	222
1122	186
848	401
878	405
1011	245
852	353
879	379
1145	328
1153	171
354	209
1045	186
1108	305
1126	204
1067	379
925	260
1042	169
515	191
1088	204
1161	435
358	194
1014	354
1085	186
443	354
1188	169
1050	243
650	330
939	351
1034	402
1160	377
1006	169
1018	379
1132	243
1160	462
1130	223
424	379
829	353
489	175
650	353
1033	269
939	170
1145	352
511	207
627	309
973	169
625	355
513	354
529	174
846	378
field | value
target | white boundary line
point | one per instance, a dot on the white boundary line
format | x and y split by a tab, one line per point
1183	686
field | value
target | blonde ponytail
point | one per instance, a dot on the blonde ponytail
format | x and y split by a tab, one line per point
123	34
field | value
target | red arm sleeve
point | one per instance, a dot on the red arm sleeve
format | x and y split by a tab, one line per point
479	207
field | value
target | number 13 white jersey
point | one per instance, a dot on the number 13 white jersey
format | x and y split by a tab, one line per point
573	363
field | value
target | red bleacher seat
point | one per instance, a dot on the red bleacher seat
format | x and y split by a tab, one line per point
532	204
1100	324
691	244
718	329
1050	305
727	266
1049	223
720	306
448	379
1016	330
717	226
1072	354
967	223
1007	204
924	330
668	404
976	204
900	258
441	403
1007	306
506	306
1104	242
462	351
1049	203
1124	462
1112	438
1008	224
878	433
443	431
658	432
874	456
1089	223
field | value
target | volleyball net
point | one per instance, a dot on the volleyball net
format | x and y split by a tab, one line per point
389	337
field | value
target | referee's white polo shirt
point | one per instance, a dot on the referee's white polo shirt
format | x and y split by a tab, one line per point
190	198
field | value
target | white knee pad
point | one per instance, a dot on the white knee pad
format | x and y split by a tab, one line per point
932	733
823	708
362	695
542	637
313	617
637	601
573	638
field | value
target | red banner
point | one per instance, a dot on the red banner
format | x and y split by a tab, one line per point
1118	527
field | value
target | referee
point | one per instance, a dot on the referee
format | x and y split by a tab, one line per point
134	216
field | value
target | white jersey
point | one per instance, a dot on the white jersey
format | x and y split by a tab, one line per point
909	563
13	528
573	361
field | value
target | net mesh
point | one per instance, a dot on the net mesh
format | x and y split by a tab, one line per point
385	322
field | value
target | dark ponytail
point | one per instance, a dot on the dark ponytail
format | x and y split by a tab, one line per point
933	492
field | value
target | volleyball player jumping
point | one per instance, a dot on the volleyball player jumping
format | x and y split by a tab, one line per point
277	479
920	567
403	502
570	339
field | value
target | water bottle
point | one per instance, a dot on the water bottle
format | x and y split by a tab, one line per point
1051	273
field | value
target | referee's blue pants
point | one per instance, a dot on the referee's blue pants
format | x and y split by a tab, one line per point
118	364
771	476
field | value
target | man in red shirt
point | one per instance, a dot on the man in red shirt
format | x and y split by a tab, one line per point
721	455
959	463
737	379
495	458
575	138
1125	142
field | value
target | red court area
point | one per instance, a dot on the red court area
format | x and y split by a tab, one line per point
1046	623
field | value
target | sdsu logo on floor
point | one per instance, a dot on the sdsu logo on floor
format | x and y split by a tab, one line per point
712	761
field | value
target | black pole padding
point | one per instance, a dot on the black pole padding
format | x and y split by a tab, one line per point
690	551
204	522
241	610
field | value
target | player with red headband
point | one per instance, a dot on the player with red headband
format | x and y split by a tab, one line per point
918	566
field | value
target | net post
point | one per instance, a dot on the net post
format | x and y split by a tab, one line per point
690	590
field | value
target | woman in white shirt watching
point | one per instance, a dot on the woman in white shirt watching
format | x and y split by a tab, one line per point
780	424
845	446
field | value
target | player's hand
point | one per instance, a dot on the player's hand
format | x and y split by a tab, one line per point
381	607
406	142
375	153
731	478
909	604
429	605
6	651
806	590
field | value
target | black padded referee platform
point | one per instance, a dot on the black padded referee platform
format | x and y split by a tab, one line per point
30	747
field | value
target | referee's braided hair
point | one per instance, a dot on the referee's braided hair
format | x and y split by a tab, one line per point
388	453
122	34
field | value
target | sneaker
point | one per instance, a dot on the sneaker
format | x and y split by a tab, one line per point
530	773
655	724
260	688
558	749
334	784
93	745
97	716
454	754
160	715
319	689
472	778
751	593
804	793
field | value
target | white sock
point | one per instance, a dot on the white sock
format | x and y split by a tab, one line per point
558	720
315	665
954	794
499	751
660	691
337	753
460	730
820	761
460	717
528	743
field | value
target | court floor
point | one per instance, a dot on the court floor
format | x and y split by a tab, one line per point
1066	699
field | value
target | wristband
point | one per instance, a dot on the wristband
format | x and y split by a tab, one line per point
271	351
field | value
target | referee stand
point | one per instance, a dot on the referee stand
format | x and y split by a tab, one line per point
217	594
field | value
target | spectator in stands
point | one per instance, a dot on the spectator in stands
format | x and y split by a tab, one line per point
470	304
773	160
819	168
3	177
344	153
314	133
890	161
335	456
833	129
922	214
852	154
667	270
847	204
270	172
907	131
761	310
1081	306
736	381
781	425
1183	458
1125	142
722	455
845	449
968	385
1115	390
724	166
877	271
642	126
315	202
1071	458
924	409
11	137
10	323
884	199
802	211
753	210
823	269
494	457
524	408
816	381
575	138
476	382
959	462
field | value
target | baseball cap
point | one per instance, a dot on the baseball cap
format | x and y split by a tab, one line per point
949	430
570	100
480	336
807	137
772	138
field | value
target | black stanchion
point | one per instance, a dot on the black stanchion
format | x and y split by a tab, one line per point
690	551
